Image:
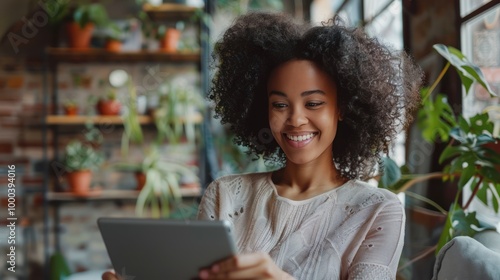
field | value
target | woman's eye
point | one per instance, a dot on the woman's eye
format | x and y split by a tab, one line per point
279	105
314	104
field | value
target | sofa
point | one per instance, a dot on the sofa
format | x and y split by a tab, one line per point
469	258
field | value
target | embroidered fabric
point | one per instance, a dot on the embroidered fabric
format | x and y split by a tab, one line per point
327	236
369	271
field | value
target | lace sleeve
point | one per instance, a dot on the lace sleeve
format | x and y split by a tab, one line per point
378	255
368	271
209	205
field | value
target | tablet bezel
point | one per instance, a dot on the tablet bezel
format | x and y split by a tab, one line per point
164	249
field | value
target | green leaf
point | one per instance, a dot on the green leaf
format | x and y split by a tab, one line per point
436	118
155	208
490	173
478	76
484	139
449	152
495	192
141	201
468	71
466	175
479	124
482	193
463	124
391	173
490	155
447	232
458	223
458	134
132	127
462	223
462	161
488	194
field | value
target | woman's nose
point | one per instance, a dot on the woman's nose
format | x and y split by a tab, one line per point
297	118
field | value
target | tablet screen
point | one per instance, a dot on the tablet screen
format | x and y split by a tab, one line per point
164	249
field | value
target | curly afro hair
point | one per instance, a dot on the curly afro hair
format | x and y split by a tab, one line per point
377	88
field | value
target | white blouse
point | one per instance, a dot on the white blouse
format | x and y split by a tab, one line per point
355	231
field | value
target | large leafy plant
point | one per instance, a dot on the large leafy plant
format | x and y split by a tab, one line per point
174	116
81	157
84	11
468	160
161	193
91	13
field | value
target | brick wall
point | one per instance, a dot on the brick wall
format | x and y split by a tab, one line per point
21	112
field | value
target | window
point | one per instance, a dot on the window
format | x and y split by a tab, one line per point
480	42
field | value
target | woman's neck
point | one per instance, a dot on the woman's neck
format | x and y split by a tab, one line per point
299	182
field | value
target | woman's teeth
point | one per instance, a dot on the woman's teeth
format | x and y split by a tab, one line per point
301	137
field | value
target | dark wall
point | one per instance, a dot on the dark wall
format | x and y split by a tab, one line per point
429	22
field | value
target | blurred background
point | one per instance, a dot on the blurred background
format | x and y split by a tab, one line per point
114	91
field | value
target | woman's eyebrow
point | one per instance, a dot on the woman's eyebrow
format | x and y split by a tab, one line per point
303	94
314	91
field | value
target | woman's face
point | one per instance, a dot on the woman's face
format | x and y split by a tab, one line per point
303	111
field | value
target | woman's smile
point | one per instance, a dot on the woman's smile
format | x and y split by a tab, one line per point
299	140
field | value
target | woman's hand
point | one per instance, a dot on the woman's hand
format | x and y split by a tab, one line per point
248	266
108	275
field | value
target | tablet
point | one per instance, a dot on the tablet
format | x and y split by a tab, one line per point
164	249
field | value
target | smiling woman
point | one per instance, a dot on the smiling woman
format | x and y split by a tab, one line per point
377	89
335	99
325	102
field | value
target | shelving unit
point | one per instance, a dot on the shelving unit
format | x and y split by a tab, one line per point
76	120
101	55
53	197
101	195
169	11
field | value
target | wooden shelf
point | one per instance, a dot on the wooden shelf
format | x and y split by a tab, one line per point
111	195
73	120
77	120
169	11
101	55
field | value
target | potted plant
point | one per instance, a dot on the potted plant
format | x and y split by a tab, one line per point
174	115
132	127
114	38
86	17
159	182
109	105
70	108
113	44
137	168
79	160
169	38
161	192
468	159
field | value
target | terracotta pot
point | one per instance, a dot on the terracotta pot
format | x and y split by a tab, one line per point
79	181
170	41
79	38
109	107
113	45
140	177
71	110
